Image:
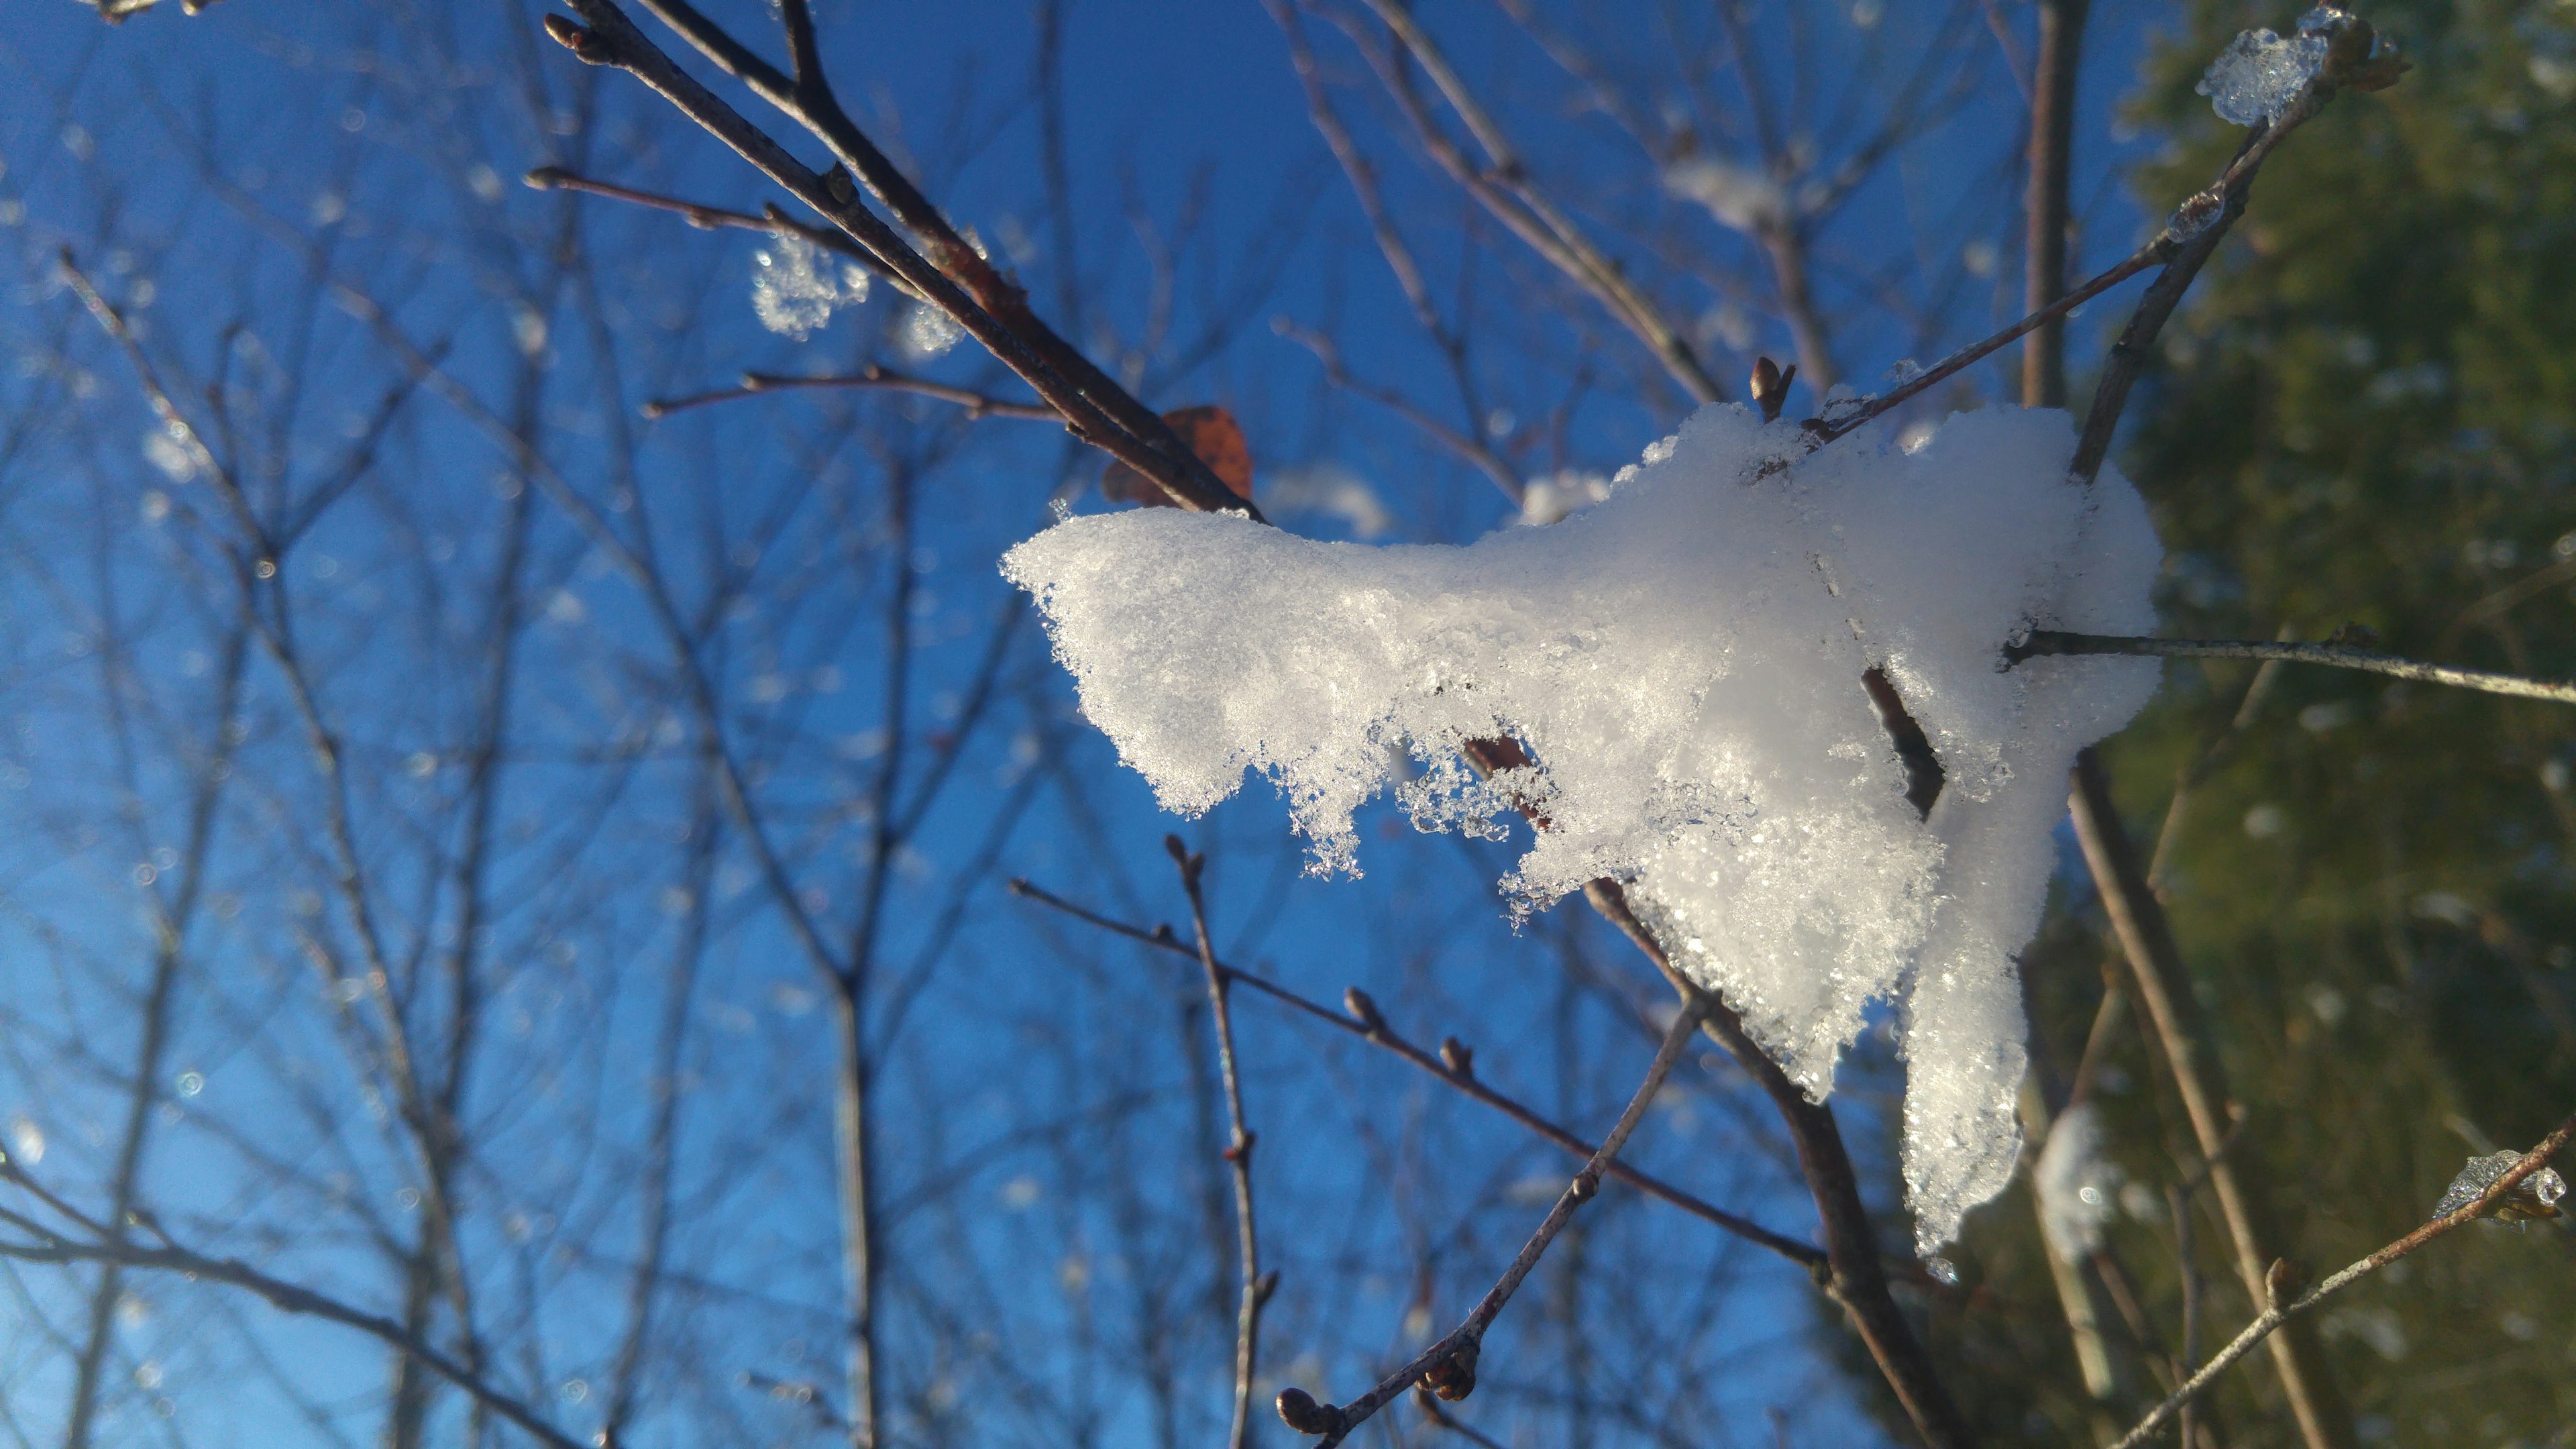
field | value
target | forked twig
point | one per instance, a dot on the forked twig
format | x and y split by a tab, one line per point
1238	1153
2277	1312
1373	1028
1448	1367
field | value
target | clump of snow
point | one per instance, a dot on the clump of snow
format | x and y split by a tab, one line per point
1683	663
929	332
1568	490
1331	490
2260	75
794	288
1740	197
2535	1196
2078	1187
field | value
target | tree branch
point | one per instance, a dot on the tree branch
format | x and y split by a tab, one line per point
1238	1152
1448	1367
2277	1313
1147	445
977	405
1459	1075
2341	656
285	1296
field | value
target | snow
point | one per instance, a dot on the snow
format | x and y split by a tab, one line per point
2260	75
2078	1188
1683	660
1740	197
794	289
2535	1196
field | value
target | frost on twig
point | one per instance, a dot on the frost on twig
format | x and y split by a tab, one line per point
2535	1196
1683	663
2261	77
794	288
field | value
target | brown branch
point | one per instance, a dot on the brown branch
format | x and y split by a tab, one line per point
1238	1152
1459	1075
1089	393
1027	348
707	218
2146	938
2276	1313
2198	226
2051	641
1825	431
1505	189
1448	1367
1854	1274
977	405
1429	1403
2052	148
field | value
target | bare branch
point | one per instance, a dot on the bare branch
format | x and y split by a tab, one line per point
287	1297
2277	1313
2341	656
977	405
1459	1075
1238	1152
1448	1367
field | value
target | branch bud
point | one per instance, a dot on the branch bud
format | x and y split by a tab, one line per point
1299	1411
1357	1002
1454	1377
1770	386
1457	1056
585	44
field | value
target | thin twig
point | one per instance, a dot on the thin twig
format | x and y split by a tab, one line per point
1825	431
2051	641
1449	1365
1238	1152
704	217
1429	1403
1111	418
1377	1032
1097	412
2277	1313
2171	1018
287	1297
976	404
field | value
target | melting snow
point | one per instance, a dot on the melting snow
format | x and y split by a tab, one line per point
1683	661
2260	74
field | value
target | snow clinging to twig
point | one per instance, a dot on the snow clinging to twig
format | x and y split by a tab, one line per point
794	288
1683	663
2260	75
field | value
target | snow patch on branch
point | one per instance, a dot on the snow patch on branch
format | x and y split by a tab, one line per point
1683	664
795	287
2260	75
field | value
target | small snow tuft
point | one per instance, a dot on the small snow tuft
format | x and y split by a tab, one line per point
2078	1188
1682	661
2260	75
794	289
